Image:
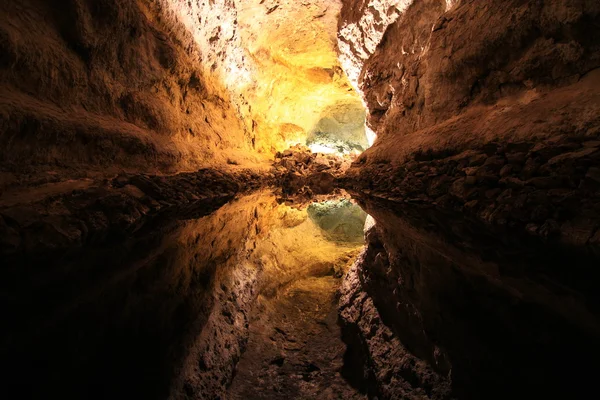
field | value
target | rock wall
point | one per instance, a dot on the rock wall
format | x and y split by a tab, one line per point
105	86
487	123
432	64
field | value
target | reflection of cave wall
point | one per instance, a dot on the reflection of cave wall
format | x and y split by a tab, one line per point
341	127
450	308
162	310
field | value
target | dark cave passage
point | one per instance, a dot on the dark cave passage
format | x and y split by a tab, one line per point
274	199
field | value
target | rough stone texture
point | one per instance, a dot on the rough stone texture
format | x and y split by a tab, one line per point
547	188
360	28
445	307
274	57
43	223
97	87
432	65
303	174
487	123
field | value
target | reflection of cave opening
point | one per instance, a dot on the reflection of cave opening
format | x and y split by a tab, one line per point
339	220
340	130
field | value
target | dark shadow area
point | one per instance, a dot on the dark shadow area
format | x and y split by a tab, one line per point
110	320
503	315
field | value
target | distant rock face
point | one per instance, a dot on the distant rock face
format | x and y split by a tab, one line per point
340	129
277	59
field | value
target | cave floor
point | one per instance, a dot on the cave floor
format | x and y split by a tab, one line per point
295	349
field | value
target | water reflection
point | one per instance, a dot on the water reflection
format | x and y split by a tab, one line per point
168	310
162	312
496	315
341	220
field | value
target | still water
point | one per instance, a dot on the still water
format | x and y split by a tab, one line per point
172	309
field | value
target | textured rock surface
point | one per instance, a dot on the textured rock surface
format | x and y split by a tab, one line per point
487	123
447	308
97	87
275	58
41	223
546	188
303	174
433	64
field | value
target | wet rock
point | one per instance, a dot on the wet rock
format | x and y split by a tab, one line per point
578	231
545	182
576	155
529	169
322	182
506	171
594	174
516	159
549	228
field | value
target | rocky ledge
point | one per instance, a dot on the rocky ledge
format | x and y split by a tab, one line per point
548	188
111	209
303	174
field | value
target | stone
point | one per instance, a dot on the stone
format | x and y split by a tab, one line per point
471	180
575	155
506	170
470	171
546	182
494	164
529	169
592	143
549	228
516	158
477	160
511	182
594	174
532	229
539	213
578	231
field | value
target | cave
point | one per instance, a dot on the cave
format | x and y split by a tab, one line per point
316	199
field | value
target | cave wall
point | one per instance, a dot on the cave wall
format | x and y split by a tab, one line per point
94	88
445	61
489	109
487	124
277	59
104	86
